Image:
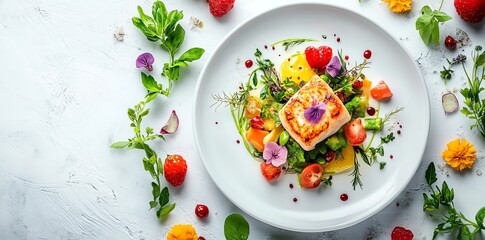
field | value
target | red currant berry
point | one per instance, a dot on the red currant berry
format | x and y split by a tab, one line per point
357	84
202	211
450	42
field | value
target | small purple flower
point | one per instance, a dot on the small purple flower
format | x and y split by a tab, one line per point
145	60
314	113
333	67
275	154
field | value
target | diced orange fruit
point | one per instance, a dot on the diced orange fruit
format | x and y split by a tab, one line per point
381	91
343	161
269	124
366	84
255	137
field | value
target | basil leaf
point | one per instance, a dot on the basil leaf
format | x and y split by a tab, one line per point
151	96
159	12
149	82
172	18
155	190
149	167
481	60
430	174
464	233
153	204
236	227
164	197
164	211
480	218
426	10
191	54
435	34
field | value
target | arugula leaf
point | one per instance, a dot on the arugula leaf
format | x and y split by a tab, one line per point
428	24
236	227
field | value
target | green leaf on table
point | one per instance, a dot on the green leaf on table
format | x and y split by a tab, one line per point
164	197
149	82
155	190
464	233
480	218
428	24
236	227
148	166
191	54
430	174
165	210
153	204
120	144
447	194
481	59
159	12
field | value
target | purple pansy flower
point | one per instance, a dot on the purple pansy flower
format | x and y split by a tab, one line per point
145	60
314	113
333	66
275	154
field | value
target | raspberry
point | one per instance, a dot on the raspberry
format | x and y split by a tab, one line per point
175	169
400	233
219	8
318	57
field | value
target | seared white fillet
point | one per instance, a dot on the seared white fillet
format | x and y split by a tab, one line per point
304	132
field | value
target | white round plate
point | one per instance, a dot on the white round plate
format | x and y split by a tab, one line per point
238	175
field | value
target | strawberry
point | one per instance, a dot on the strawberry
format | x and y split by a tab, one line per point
318	57
219	8
472	11
175	169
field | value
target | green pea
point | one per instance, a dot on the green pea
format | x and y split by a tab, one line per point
284	137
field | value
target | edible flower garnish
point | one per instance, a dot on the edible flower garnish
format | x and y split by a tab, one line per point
172	124
333	67
182	232
145	60
275	154
314	113
460	154
399	6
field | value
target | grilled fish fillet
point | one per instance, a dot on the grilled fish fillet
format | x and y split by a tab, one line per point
304	132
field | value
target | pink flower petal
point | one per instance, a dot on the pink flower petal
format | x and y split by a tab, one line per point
172	124
275	154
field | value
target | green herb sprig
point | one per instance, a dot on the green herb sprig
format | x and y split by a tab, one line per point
440	201
446	72
474	104
428	24
152	163
163	27
290	42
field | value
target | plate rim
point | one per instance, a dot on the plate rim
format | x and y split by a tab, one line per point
427	113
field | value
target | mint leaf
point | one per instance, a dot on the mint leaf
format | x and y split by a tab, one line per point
428	24
120	144
236	227
430	174
149	82
164	211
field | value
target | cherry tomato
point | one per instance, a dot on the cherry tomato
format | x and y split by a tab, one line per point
357	84
270	171
355	132
381	91
311	177
256	122
201	211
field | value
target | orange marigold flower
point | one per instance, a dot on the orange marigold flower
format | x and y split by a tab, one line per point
182	232
399	6
460	154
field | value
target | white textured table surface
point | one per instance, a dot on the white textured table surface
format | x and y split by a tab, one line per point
65	86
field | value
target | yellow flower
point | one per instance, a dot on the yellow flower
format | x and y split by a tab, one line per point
399	6
460	154
182	232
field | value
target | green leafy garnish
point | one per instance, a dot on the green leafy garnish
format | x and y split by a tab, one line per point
428	24
236	227
474	104
163	27
290	42
440	201
152	163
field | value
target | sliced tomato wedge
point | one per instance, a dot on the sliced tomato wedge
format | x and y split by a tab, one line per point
355	132
311	176
381	91
270	171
